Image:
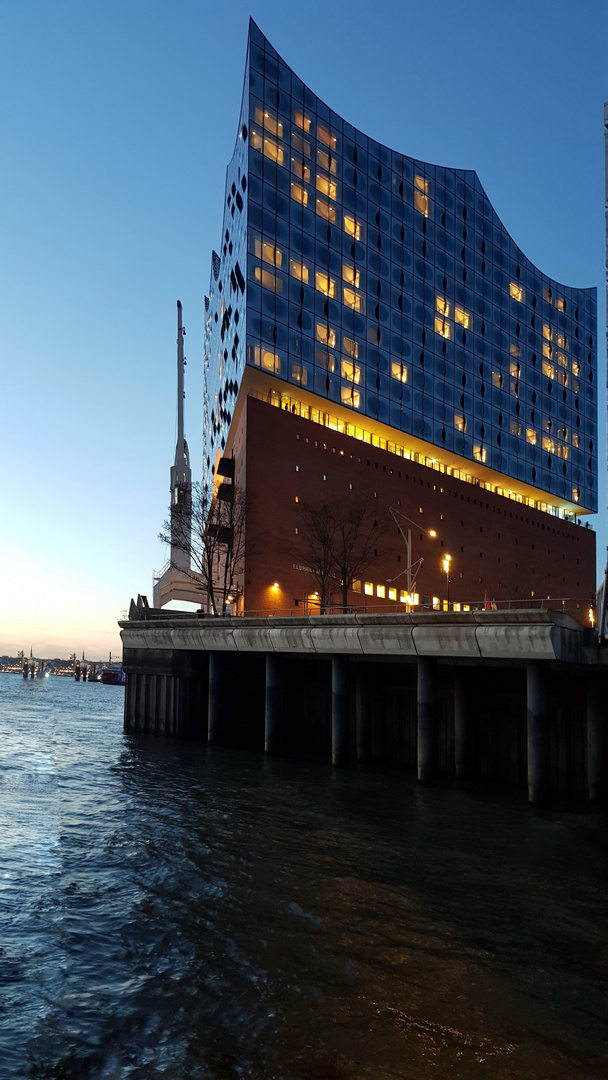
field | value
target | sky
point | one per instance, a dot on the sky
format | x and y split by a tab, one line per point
119	118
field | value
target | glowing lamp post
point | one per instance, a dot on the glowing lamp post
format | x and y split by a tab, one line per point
445	566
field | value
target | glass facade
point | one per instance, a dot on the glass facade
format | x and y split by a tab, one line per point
388	291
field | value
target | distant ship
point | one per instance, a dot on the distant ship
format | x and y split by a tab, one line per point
113	676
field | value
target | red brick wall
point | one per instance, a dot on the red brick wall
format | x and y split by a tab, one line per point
500	549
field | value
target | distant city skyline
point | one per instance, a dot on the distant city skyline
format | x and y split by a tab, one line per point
121	125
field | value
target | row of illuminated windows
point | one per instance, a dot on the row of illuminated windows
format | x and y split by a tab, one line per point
517	292
548	442
383	593
548	370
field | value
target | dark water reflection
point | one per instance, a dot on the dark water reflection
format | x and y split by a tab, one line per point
170	911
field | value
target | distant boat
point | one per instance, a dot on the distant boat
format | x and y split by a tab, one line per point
113	676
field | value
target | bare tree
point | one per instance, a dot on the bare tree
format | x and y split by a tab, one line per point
340	543
214	539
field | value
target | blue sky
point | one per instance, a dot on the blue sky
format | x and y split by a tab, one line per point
121	119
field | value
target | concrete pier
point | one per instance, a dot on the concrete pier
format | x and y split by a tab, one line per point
538	733
428	736
339	711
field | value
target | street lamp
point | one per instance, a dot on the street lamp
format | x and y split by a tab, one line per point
410	570
445	566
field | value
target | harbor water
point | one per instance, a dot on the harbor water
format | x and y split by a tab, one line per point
170	910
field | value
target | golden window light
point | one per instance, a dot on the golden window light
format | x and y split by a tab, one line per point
514	368
398	371
547	332
300	194
298	143
352	299
560	341
369	588
547	349
327	161
325	136
350	397
562	359
497	378
267	359
350	274
268	280
356	586
381	591
548	444
326	335
269	253
300	168
352	227
351	371
298	270
548	369
421	184
442	327
270	122
392	594
576	439
326	210
351	347
480	453
421	203
547	295
256	139
325	359
273	151
461	316
563	378
516	291
327	187
562	451
560	303
575	367
460	422
442	306
531	436
514	349
325	284
576	494
302	120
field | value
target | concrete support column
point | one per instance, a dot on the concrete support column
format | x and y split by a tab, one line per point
538	733
130	699
140	704
462	727
596	739
339	711
362	712
272	713
215	719
428	726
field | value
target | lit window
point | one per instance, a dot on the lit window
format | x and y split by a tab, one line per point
547	349
514	349
442	327
256	139
268	280
576	494
327	187
325	210
351	347
421	202
547	295
562	451
563	377
576	438
516	291
273	151
298	270
356	586
548	423
381	591
531	436
299	193
442	306
560	303
352	227
325	284
352	299
480	453
514	368
270	122
547	332
299	374
561	359
460	422
302	120
325	359
560	341
326	334
575	367
351	371
270	253
398	371
403	596
326	161
436	603
300	168
369	588
350	274
266	359
392	594
515	427
548	369
548	444
300	144
462	317
326	137
497	378
350	397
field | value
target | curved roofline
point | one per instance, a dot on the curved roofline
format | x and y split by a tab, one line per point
459	172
